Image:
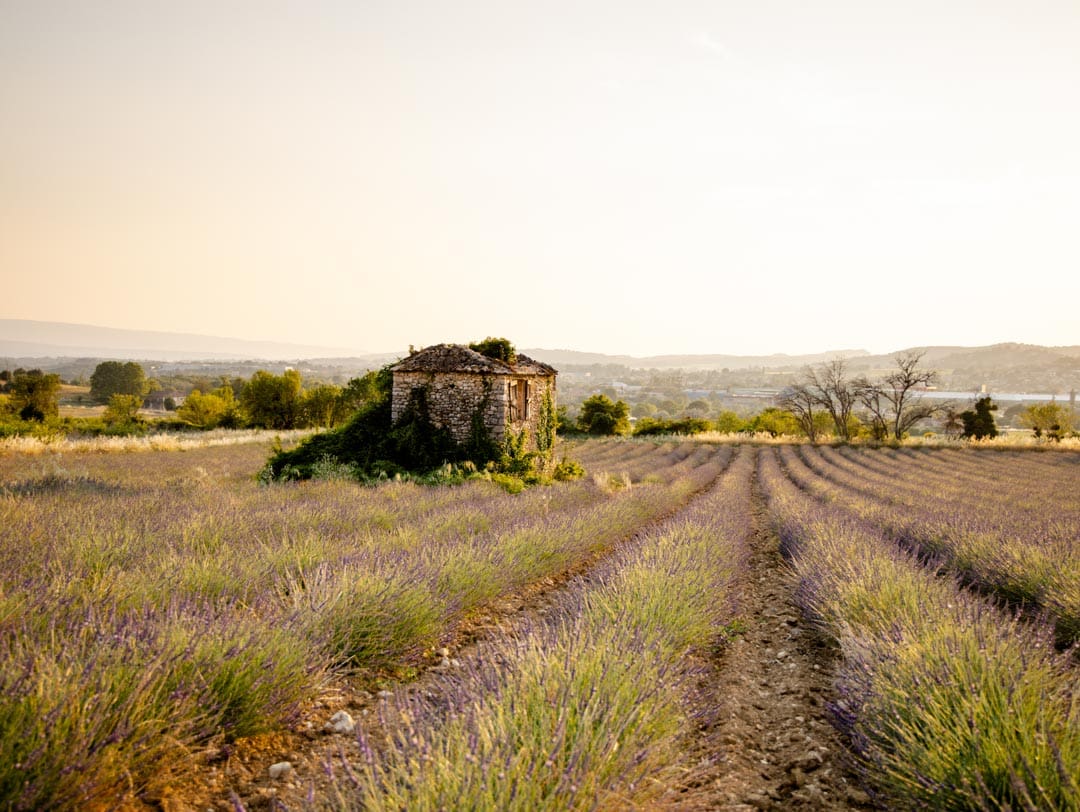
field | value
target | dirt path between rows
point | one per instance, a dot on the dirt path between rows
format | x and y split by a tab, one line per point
766	742
763	739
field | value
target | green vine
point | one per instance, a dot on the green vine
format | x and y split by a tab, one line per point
545	425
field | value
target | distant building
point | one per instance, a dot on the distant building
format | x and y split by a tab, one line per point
156	400
461	383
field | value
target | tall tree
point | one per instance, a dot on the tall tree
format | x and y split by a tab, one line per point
323	406
117	378
274	401
835	393
801	400
894	404
600	415
35	395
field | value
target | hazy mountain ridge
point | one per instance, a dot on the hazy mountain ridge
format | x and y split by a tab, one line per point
711	361
20	338
55	345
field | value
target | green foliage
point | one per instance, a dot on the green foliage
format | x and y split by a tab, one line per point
564	424
498	348
643	408
372	444
481	447
1051	420
776	422
546	424
370	387
979	423
117	378
122	409
567	471
415	443
728	422
323	406
217	408
375	622
647	426
514	459
602	416
273	401
34	395
361	442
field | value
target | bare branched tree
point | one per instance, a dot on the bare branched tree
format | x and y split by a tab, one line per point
801	399
834	392
873	400
894	404
901	390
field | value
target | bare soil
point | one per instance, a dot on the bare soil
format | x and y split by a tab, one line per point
763	740
766	742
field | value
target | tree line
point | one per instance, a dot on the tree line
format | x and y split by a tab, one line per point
826	400
265	400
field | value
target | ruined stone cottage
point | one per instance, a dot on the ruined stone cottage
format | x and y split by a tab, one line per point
461	382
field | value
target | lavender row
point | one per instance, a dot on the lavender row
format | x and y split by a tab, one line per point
947	702
582	710
166	597
1009	542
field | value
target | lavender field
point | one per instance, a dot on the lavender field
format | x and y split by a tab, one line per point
156	603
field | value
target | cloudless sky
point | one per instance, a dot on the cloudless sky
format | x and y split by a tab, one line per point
614	176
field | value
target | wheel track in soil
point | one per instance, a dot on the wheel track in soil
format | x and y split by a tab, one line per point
764	741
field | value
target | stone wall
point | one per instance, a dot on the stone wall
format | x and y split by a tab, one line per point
453	398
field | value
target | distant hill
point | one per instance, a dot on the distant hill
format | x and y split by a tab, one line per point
54	345
21	338
574	358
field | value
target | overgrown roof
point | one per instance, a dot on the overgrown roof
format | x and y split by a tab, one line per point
458	358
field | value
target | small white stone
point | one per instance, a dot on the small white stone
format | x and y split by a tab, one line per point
341	722
385	694
280	769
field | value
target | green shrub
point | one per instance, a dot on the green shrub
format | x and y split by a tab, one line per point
647	426
568	470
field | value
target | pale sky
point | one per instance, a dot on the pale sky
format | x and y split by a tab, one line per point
612	176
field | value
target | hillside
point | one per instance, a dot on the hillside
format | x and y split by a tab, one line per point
22	339
73	350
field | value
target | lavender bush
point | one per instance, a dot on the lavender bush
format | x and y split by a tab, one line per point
948	702
151	600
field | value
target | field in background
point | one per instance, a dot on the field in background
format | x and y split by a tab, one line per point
152	602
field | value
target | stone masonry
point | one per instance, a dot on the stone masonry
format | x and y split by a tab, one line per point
457	381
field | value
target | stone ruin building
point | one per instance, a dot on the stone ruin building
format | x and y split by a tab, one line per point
461	381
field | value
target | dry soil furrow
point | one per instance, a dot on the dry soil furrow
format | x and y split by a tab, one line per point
766	742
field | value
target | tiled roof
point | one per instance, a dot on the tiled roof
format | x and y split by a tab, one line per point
458	358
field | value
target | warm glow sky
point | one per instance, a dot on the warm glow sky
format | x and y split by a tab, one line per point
615	176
